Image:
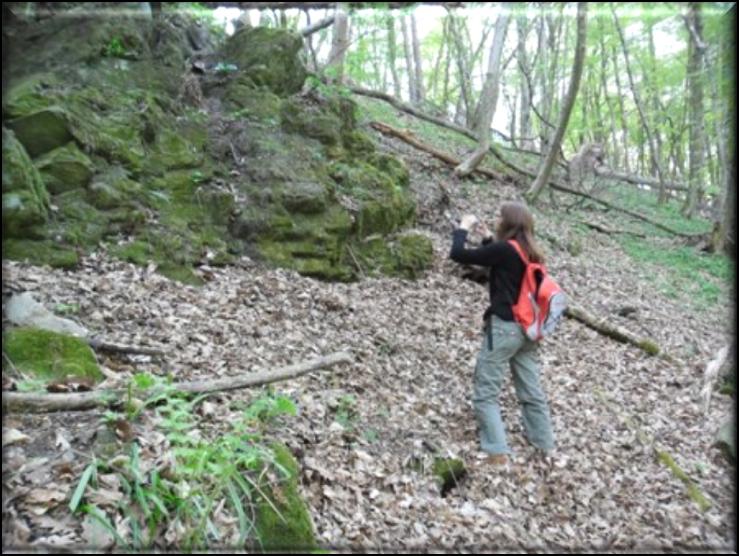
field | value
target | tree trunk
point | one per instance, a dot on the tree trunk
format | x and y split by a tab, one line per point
420	89
543	177
524	121
489	97
604	84
622	112
725	236
412	88
435	76
658	114
640	109
447	65
462	72
339	43
392	54
696	131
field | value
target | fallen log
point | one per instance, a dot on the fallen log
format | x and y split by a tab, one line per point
636	180
413	141
604	230
42	403
611	330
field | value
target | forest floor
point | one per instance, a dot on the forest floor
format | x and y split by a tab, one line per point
366	434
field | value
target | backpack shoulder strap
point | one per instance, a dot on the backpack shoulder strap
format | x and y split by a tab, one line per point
519	250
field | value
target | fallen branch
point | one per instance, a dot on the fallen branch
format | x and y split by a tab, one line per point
662	456
610	330
102	345
444	157
636	180
310	29
605	230
711	374
41	403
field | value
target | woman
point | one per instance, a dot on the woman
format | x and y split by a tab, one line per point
505	345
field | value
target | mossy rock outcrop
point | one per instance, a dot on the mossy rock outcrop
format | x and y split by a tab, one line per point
49	355
65	168
110	145
269	57
290	530
25	199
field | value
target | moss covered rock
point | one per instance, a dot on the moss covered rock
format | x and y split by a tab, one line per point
269	57
42	131
65	168
112	188
49	355
255	103
406	257
298	116
25	199
292	528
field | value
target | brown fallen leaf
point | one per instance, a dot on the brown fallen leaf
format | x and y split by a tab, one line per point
71	384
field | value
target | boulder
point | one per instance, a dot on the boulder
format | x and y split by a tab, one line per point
23	310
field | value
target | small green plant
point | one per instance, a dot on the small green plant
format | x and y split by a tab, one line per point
225	68
115	48
346	412
197	177
202	476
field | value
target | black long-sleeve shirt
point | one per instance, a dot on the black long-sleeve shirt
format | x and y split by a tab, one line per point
506	271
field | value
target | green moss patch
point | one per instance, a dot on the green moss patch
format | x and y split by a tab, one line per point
50	355
449	472
292	528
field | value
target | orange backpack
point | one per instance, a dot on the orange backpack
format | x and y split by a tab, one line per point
541	302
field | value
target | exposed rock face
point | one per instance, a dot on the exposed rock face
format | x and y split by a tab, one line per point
99	133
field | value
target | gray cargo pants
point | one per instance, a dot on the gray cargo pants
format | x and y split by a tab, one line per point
505	346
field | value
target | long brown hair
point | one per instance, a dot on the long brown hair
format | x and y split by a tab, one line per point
516	222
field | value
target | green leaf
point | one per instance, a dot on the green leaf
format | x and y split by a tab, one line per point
144	381
239	509
286	406
80	490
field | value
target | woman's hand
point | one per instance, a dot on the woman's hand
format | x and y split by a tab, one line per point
484	231
468	222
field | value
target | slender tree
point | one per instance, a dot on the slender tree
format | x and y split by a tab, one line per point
489	97
392	54
340	43
420	89
412	88
642	112
546	170
696	132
